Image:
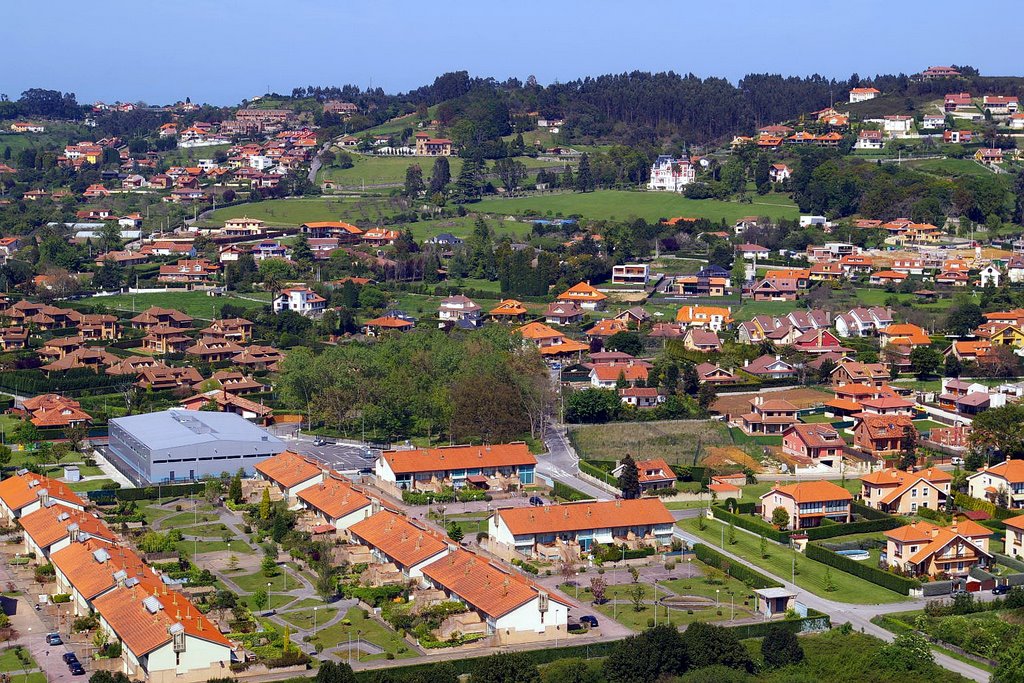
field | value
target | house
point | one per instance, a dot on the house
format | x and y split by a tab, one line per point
1005	480
343	232
779	173
335	502
902	492
708	281
652	474
585	296
459	309
549	341
704	341
934	72
163	340
407	544
1017	121
155	316
607	327
818	341
1000	105
51	410
631	274
808	503
769	367
957	137
1013	543
863	322
502	467
512	608
669	174
989	155
90	568
882	435
54	526
819	442
863	94
302	300
887	277
715	374
13	338
970	351
432	147
768	417
775	289
387	323
990	275
26	127
552	530
608	376
903	335
957	101
197	271
714	318
869	139
925	549
641	397
562	313
25	492
509	310
291	473
866	374
162	635
752	251
633	316
238	330
243	227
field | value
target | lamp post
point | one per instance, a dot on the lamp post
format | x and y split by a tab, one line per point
314	621
718	602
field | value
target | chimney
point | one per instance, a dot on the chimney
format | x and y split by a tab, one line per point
935	532
746	362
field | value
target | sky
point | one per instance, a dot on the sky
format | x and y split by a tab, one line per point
221	51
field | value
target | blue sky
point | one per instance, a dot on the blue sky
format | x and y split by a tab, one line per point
220	51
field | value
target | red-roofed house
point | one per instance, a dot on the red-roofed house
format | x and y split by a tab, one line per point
819	442
496	466
652	474
924	549
807	503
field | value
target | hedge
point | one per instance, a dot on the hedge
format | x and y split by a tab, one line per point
968	503
567	492
876	576
814	621
755	524
149	492
597	473
737	570
832	530
867	512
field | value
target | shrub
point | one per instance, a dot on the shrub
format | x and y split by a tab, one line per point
713	558
876	576
870	526
60	598
755	524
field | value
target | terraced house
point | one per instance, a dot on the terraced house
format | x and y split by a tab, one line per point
497	467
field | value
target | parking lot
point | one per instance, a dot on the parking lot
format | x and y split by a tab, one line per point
343	457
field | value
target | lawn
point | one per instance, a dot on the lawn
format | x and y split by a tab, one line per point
755	491
463	227
676	441
189	518
304	618
9	660
189	155
367	629
188	547
196	304
293	211
90	485
251	583
950	167
811	574
378	170
621	205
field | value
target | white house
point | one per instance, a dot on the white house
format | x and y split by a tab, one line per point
631	274
302	300
291	474
863	94
990	276
1005	478
90	568
459	309
895	126
395	539
55	526
336	502
815	221
669	174
869	139
25	492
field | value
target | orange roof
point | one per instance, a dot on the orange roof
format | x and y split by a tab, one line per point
539	331
288	469
1015	522
90	566
935	537
347	227
582	291
491	589
654	470
610	514
1010	470
688	314
509	307
567	346
812	491
19	490
915	335
141	629
890	275
789	274
390	322
894	477
405	542
334	498
458	458
47	525
611	373
607	327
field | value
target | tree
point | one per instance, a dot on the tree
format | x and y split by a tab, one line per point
506	667
706	396
334	672
925	361
572	670
763	547
265	508
1001	429
1011	664
953	367
781	647
455	531
629	478
260	599
413	181
25	433
655	654
907	652
707	645
76	434
626	342
440	176
584	178
235	489
830	584
637	593
511	173
964	316
908	458
467	185
598	588
780	517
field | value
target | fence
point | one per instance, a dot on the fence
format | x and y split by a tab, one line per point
876	576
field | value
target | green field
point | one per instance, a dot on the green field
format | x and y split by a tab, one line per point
195	304
187	156
810	574
950	167
374	170
621	205
463	227
677	442
298	211
369	630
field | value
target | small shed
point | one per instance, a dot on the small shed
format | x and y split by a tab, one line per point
71	473
774	601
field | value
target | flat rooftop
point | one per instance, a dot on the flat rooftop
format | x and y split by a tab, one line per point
176	428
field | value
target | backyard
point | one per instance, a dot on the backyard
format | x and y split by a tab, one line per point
810	575
678	442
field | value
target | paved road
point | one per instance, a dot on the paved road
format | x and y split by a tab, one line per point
340	456
562	463
859	616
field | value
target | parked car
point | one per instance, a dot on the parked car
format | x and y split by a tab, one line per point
536	501
956	461
53	639
77	669
70	657
958	592
590	620
319	442
1001	589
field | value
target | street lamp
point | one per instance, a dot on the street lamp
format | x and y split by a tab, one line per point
314	621
717	601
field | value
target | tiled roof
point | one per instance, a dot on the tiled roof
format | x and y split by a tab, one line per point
611	373
817	436
288	468
895	477
90	566
587	515
334	498
458	458
403	541
582	291
47	525
19	490
812	491
1010	470
539	331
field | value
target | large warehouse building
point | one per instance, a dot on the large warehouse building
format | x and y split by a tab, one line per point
184	445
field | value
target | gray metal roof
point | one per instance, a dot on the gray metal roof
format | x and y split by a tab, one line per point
176	428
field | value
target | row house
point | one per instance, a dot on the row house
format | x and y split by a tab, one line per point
496	467
291	473
155	316
768	417
813	443
238	330
198	271
714	318
863	322
854	372
163	339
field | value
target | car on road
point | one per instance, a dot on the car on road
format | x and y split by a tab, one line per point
53	639
536	501
590	620
319	442
1001	589
77	669
70	657
956	461
957	593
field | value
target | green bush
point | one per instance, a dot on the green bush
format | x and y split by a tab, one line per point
713	558
866	512
755	524
870	526
60	598
567	492
966	502
876	576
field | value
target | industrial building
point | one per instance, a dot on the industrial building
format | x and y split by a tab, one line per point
184	445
